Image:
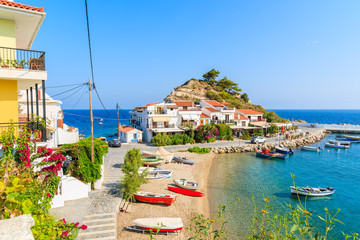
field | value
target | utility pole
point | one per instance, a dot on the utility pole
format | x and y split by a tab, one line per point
118	122
91	123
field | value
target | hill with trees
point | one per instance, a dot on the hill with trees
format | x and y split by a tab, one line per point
221	90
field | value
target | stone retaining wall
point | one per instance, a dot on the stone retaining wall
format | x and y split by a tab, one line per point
287	143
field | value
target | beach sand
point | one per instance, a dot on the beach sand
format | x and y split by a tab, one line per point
185	207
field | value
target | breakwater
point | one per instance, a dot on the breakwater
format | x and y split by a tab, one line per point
291	143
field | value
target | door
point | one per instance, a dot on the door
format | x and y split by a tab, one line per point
227	118
259	118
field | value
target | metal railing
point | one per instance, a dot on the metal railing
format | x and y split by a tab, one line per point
16	58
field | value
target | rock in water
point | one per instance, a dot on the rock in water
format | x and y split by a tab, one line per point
17	228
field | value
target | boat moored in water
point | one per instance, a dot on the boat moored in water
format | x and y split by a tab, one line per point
284	150
340	142
347	139
312	149
312	192
265	153
337	145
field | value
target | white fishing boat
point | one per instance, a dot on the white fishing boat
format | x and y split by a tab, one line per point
312	192
336	145
159	174
163	225
183	183
340	142
313	149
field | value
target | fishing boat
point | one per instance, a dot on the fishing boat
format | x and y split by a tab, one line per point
156	198
284	150
312	149
183	160
336	145
352	137
163	225
152	161
183	183
186	191
265	153
340	142
347	139
153	164
312	192
159	174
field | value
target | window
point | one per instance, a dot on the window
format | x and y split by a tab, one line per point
202	122
135	136
207	121
243	123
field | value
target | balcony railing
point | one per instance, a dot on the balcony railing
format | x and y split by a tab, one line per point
22	59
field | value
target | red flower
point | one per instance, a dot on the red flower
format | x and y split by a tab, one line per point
76	224
64	220
83	227
48	194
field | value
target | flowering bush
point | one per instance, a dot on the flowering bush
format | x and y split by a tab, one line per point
206	133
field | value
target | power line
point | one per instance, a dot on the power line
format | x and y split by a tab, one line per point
65	85
69	90
83	93
91	60
72	94
77	115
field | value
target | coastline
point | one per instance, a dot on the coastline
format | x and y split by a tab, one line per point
185	207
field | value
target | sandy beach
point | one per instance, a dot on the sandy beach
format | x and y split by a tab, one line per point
185	207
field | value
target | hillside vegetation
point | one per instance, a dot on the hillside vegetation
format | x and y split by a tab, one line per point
223	90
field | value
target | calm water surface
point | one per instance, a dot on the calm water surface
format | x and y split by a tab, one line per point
242	175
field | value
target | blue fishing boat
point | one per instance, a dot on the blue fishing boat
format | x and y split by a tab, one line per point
348	139
284	150
267	154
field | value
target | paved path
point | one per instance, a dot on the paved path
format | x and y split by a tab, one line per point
99	210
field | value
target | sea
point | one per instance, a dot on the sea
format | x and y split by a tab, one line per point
243	176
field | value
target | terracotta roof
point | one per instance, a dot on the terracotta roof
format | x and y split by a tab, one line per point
19	5
211	109
126	129
150	104
214	103
171	106
204	116
184	103
240	117
249	111
224	103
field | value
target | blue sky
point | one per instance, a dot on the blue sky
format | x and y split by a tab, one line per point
284	54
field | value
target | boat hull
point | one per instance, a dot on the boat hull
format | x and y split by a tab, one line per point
330	145
186	192
155	224
165	199
270	155
193	186
184	161
311	149
304	192
340	142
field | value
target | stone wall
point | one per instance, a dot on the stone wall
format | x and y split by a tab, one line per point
287	143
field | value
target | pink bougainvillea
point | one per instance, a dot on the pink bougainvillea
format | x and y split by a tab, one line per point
83	227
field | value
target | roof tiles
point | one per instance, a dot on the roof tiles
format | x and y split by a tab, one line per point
184	103
214	103
19	5
249	111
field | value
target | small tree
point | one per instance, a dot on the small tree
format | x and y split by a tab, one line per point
132	179
245	97
228	86
211	76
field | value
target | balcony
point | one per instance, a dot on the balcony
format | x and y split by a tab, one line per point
14	58
27	67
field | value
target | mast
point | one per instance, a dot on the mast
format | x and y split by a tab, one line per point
118	122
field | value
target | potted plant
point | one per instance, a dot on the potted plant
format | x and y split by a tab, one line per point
20	64
4	64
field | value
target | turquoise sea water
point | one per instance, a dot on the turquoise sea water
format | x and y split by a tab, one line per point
243	175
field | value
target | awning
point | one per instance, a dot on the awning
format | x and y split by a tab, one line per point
186	117
51	129
194	117
161	119
260	124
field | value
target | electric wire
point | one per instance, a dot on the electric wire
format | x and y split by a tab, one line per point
77	115
69	90
65	85
91	59
81	96
72	94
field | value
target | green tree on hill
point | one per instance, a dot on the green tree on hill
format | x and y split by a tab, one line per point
228	86
245	97
211	76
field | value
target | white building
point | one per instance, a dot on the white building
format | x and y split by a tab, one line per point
57	131
252	115
223	113
129	134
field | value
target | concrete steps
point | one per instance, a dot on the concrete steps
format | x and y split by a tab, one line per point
100	227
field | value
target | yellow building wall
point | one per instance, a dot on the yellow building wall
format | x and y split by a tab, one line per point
8	101
7	33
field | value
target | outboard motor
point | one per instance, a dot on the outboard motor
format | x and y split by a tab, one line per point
291	151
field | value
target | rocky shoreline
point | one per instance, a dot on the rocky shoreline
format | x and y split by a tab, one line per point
293	143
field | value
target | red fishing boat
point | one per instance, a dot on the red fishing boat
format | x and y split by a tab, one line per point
186	191
156	198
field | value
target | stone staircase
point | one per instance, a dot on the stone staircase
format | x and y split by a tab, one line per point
100	227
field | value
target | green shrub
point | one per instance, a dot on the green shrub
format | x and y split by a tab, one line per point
82	168
199	150
230	138
224	130
246	135
162	139
206	133
187	139
273	129
177	139
213	96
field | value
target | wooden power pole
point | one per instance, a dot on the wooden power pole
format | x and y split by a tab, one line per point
117	110
91	123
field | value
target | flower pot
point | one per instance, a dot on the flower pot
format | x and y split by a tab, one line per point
5	66
19	67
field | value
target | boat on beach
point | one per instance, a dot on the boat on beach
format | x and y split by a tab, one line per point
156	198
284	150
336	145
265	153
183	183
312	149
163	225
152	161
312	192
340	142
187	192
183	160
159	174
